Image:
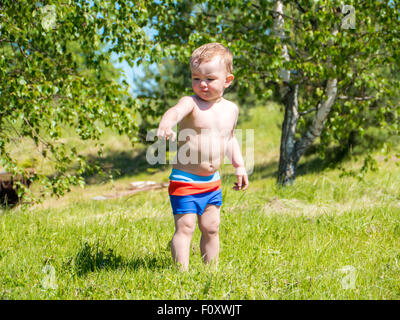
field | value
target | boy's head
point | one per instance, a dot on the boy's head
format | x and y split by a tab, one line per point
211	66
208	51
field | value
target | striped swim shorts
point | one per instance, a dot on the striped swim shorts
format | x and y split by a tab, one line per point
190	193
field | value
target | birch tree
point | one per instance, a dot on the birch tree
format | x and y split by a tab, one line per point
52	60
332	63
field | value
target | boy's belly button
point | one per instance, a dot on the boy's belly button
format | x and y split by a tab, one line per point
200	168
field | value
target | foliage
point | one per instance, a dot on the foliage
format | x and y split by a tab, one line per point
158	89
55	74
320	47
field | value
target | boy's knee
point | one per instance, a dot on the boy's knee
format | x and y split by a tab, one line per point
186	227
210	228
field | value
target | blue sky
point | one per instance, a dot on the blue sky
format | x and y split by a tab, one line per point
128	73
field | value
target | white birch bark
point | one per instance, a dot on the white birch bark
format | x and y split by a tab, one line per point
291	151
289	94
321	115
279	32
319	120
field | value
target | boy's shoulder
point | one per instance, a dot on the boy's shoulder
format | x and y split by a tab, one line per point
186	103
231	105
187	100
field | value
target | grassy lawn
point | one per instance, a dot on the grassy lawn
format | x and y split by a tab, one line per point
326	237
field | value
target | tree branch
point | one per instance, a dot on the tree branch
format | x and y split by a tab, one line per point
356	98
320	117
275	12
300	7
318	122
22	51
47	144
279	32
310	110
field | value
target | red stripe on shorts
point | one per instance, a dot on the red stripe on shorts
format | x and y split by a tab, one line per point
180	188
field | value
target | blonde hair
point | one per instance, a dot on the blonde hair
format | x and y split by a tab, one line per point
210	50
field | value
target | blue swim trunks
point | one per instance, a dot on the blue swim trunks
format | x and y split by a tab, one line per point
190	193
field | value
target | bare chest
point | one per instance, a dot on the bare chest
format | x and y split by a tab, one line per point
217	119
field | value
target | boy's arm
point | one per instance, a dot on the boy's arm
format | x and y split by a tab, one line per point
173	116
235	156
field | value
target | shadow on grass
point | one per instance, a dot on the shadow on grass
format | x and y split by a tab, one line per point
311	164
91	257
119	164
125	163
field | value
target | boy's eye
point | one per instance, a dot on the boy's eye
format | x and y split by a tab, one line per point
209	79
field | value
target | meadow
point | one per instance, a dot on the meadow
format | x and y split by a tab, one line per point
326	237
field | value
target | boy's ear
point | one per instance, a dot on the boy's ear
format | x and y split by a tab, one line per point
228	80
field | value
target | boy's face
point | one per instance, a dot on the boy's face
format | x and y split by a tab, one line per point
210	79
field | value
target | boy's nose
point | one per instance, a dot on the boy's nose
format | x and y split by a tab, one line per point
203	83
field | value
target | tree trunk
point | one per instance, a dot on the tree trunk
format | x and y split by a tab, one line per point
319	120
289	94
287	159
291	150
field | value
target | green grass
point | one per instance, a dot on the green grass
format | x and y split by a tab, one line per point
290	243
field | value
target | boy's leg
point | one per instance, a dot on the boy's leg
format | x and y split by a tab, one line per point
180	243
209	227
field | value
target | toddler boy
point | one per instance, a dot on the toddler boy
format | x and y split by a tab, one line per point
207	122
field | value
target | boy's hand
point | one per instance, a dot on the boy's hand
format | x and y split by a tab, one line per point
242	179
166	134
173	116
